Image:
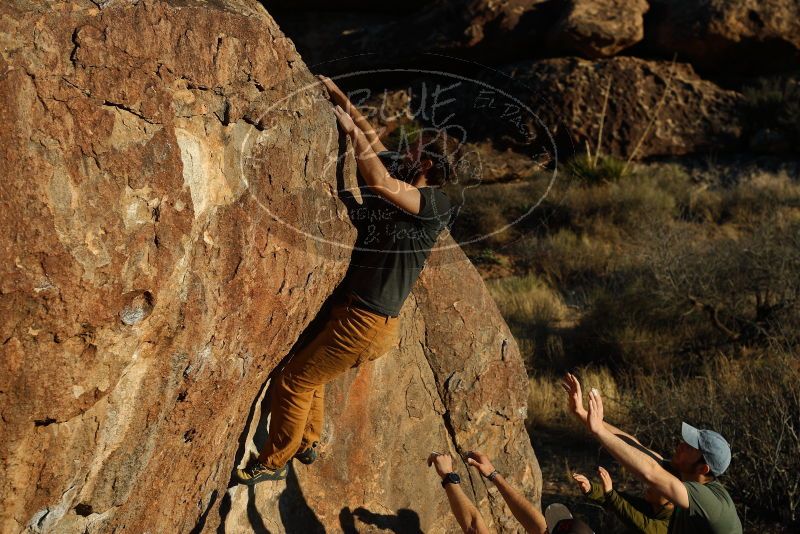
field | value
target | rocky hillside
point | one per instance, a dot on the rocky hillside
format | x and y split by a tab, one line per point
683	77
170	230
718	36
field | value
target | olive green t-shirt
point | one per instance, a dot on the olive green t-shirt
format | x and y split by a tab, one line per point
635	512
711	511
392	247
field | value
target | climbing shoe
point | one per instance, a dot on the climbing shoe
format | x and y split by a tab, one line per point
257	472
309	455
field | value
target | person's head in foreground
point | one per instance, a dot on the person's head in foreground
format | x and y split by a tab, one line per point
702	455
560	521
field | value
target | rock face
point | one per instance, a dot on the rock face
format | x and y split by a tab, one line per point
170	228
372	470
600	28
744	37
567	95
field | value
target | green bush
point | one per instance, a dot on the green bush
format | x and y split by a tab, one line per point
587	170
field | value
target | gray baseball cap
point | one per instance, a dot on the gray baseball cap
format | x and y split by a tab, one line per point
560	521
716	451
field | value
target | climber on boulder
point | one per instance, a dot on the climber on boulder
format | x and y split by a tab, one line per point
410	211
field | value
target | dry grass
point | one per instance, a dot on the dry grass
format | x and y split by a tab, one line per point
547	400
762	196
527	300
628	202
682	287
566	257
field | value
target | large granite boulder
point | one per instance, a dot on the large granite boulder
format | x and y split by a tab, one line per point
170	228
600	28
726	37
385	417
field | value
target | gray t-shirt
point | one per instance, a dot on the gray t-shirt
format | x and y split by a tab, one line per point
711	511
392	247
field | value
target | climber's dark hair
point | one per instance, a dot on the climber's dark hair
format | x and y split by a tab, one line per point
441	149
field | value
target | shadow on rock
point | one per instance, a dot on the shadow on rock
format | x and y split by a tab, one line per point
296	514
253	515
226	504
404	522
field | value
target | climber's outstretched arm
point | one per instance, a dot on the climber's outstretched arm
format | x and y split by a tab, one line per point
572	386
467	515
340	99
528	515
400	193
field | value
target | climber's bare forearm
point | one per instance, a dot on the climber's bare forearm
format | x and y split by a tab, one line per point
400	193
363	124
529	517
465	512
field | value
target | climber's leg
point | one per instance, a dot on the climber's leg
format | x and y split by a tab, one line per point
385	340
350	337
390	330
316	418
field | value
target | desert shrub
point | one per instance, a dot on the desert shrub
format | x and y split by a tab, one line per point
624	327
760	199
692	297
696	201
618	207
774	103
702	205
488	208
746	290
587	170
629	203
756	406
488	256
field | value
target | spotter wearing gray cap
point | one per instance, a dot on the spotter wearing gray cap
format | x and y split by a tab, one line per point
716	451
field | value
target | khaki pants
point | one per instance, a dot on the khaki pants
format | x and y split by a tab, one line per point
351	337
